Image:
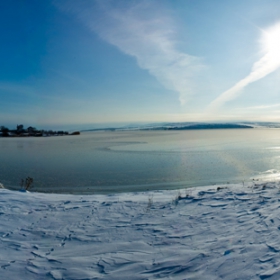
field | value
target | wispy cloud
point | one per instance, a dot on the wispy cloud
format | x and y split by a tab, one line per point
261	107
142	30
268	63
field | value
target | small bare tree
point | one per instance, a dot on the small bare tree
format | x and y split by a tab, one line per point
27	184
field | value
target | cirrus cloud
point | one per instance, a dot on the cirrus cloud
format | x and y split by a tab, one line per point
144	31
267	64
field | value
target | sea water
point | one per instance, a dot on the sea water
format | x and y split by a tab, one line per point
107	162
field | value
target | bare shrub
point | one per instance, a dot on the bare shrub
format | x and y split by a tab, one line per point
150	203
27	184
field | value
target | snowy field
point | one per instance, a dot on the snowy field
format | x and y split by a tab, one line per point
217	232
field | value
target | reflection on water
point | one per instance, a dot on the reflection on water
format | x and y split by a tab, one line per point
133	161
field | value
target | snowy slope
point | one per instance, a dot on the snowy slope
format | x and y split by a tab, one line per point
225	232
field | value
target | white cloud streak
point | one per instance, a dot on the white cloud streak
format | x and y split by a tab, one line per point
266	65
143	31
261	107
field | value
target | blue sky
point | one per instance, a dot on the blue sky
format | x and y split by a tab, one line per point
96	61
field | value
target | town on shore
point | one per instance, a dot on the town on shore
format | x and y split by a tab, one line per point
20	131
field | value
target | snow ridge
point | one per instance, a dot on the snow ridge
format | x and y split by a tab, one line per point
221	232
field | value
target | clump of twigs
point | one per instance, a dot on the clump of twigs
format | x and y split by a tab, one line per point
177	198
188	193
150	203
27	184
180	196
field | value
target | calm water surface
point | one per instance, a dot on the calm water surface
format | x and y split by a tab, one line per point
104	162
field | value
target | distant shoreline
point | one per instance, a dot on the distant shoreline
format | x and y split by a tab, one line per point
196	126
38	135
212	126
20	131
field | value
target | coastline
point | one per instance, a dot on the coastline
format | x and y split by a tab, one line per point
214	232
123	189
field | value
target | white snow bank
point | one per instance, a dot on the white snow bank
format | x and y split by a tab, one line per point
229	233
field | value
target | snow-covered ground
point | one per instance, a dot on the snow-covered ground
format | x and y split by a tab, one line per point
217	232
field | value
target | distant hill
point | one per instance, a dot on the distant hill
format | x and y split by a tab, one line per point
177	126
210	126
